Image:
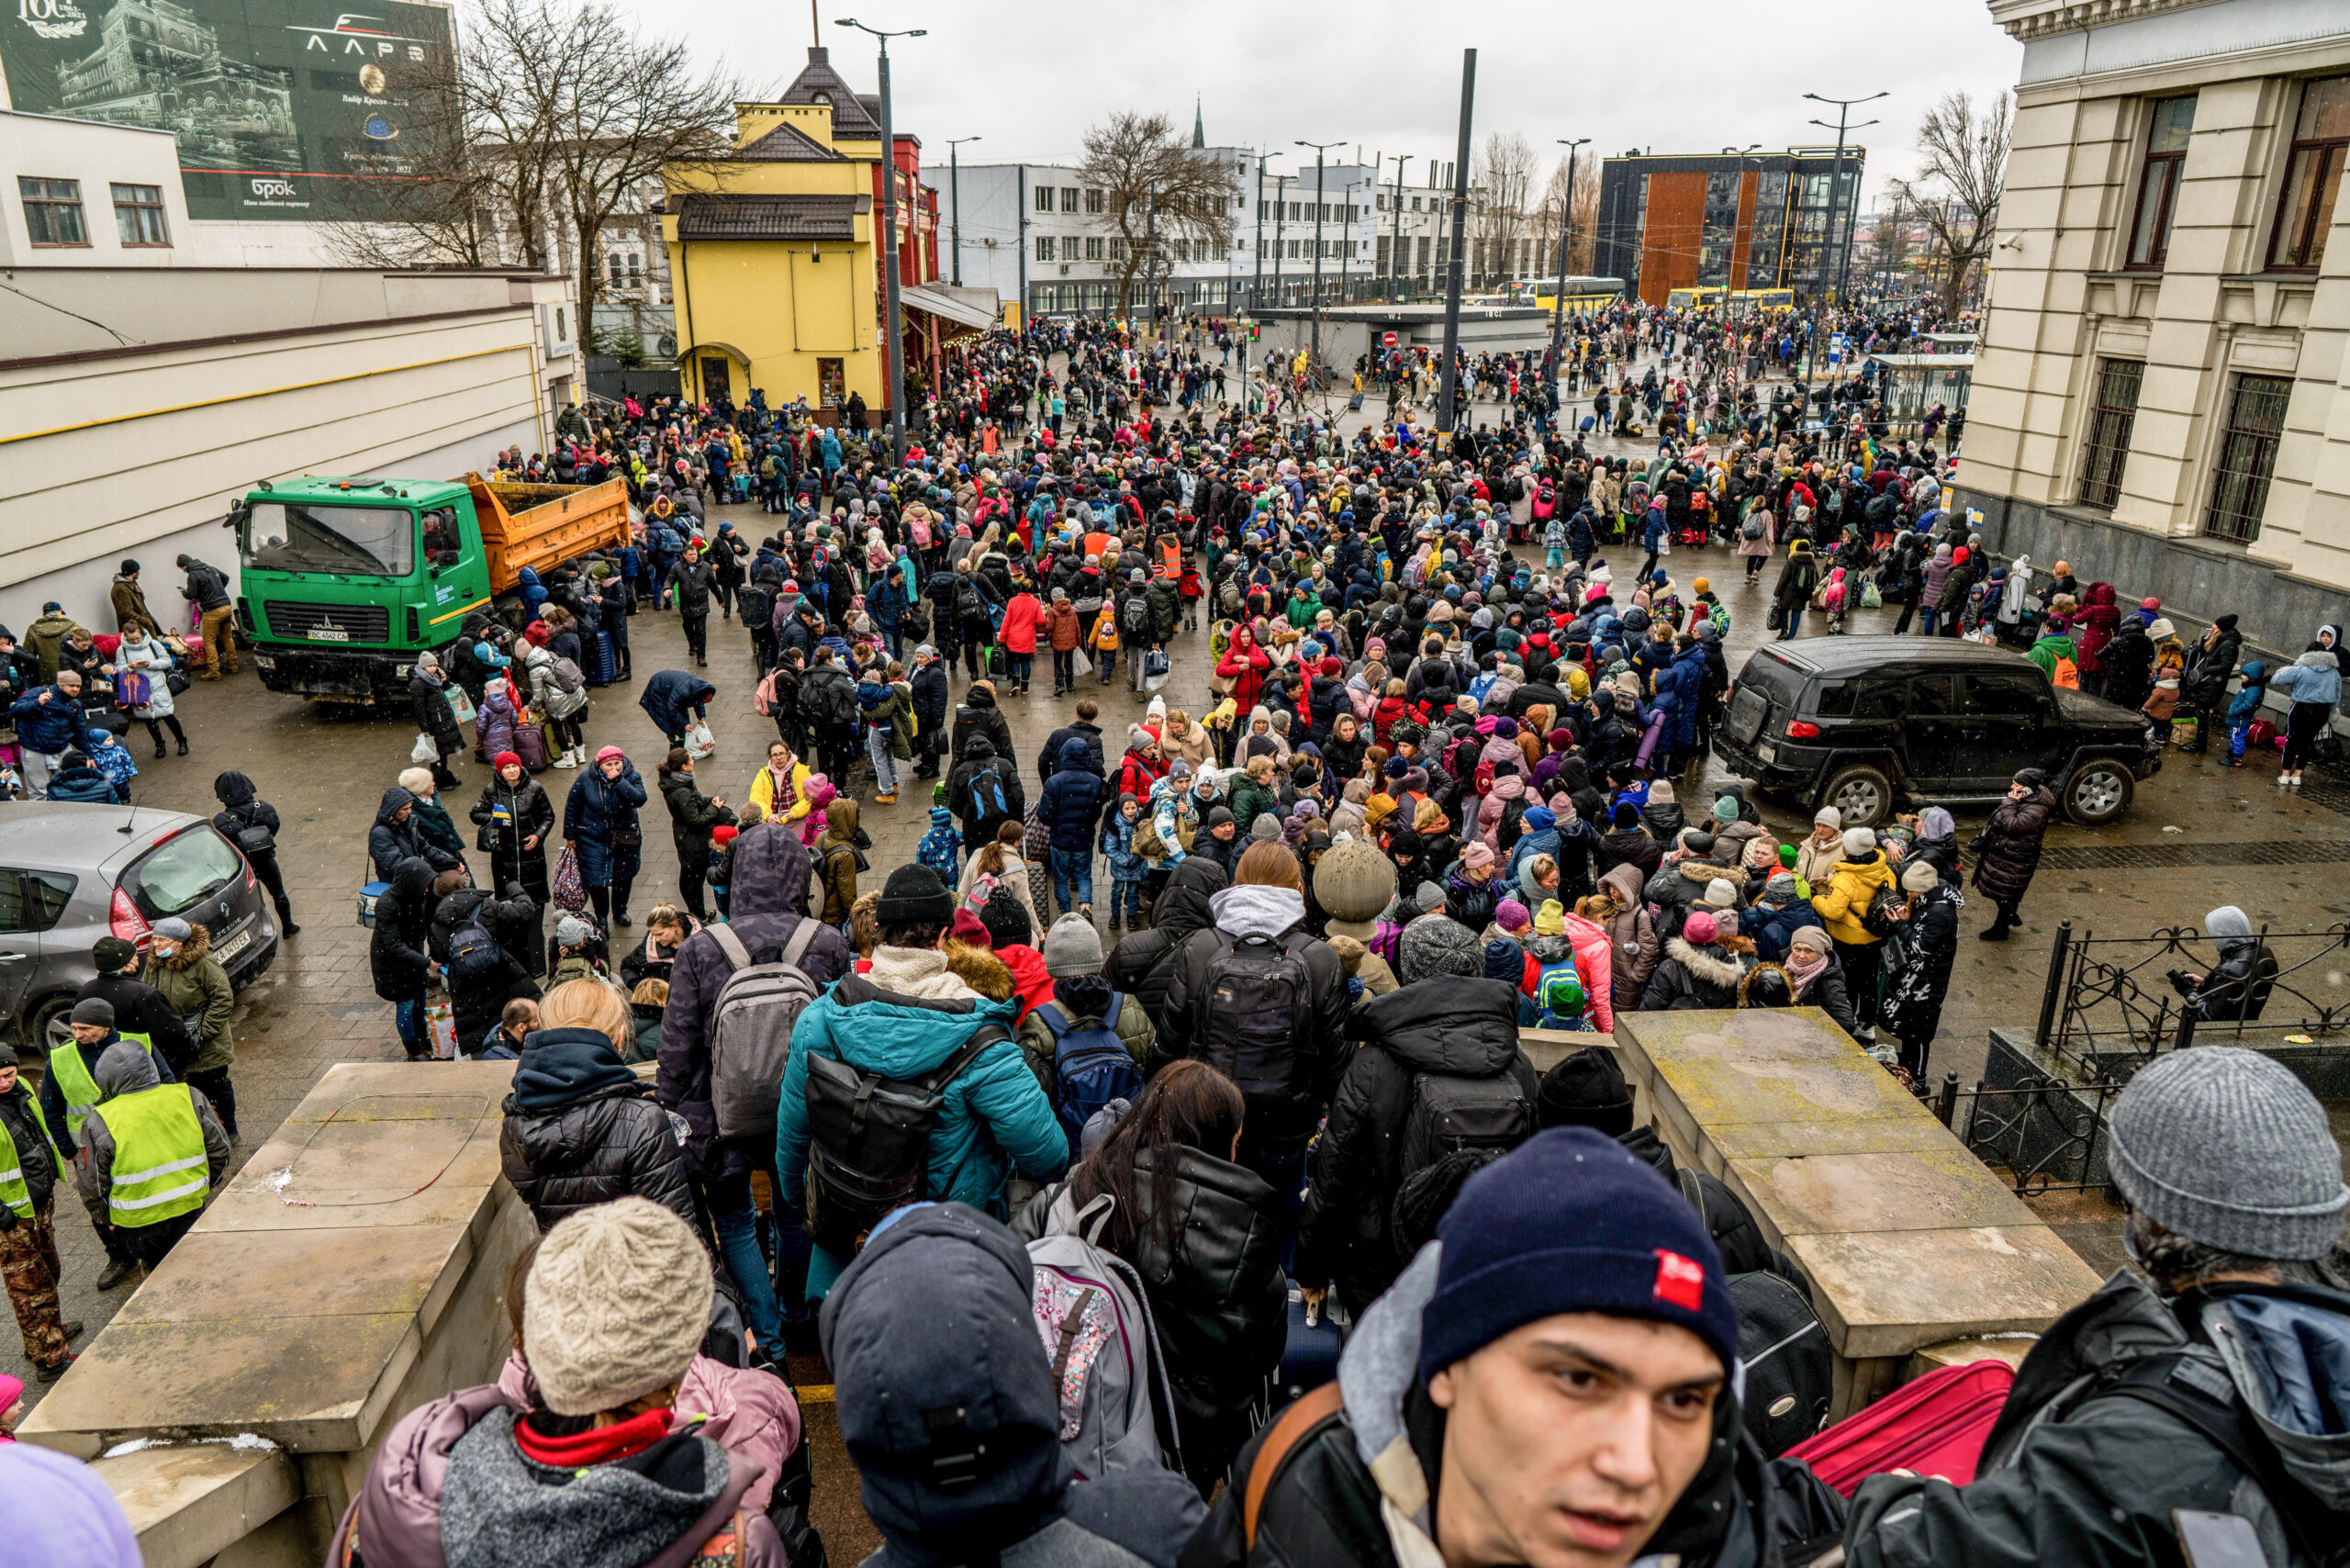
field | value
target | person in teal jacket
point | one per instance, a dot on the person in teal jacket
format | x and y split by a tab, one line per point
903	1019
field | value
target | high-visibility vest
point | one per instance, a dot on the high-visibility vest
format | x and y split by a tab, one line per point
160	1169
74	1080
13	1189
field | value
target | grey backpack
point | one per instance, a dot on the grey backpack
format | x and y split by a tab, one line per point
1095	1322
750	1031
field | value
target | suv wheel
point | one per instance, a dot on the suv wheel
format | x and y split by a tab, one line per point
2097	792
1861	794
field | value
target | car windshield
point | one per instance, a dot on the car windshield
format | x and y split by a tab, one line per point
181	872
366	542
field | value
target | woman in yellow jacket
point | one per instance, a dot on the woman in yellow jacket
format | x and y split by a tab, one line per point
784	779
1850	888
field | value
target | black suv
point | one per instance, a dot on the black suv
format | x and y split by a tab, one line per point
1851	721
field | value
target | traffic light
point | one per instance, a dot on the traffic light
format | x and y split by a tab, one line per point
1255	332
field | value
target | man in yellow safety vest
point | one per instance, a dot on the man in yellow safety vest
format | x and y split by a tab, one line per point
151	1152
30	1166
69	1092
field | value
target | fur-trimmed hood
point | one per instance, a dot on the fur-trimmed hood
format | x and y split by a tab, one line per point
1717	963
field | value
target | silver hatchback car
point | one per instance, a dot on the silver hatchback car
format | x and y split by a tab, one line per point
70	874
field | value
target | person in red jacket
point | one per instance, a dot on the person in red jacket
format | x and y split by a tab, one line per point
1245	664
1021	619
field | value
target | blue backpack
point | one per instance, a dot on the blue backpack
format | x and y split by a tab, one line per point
1090	1064
988	799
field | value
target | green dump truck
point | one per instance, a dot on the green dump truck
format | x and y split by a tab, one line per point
345	581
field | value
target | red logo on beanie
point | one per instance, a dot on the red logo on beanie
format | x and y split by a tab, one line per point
1680	1281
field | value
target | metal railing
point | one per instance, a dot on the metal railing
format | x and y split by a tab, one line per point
2110	1004
2045	1135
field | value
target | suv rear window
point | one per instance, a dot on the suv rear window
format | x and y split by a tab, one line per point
1776	679
181	872
1874	698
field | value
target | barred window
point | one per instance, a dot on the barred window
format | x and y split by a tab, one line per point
2111	416
2248	457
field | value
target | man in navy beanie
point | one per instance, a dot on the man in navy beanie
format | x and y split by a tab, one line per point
1551	1382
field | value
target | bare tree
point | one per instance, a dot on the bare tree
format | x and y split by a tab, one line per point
439	205
1501	181
1890	251
1583	238
1961	164
1155	187
555	119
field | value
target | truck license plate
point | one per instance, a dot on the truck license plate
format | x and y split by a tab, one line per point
327	634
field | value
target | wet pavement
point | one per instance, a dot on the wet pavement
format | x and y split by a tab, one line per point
2199	835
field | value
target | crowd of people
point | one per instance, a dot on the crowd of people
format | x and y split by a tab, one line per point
1049	1184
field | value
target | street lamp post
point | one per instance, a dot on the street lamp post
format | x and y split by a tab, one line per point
897	360
1729	263
1257	286
1321	206
1835	195
955	195
1566	228
1446	369
1395	250
1281	213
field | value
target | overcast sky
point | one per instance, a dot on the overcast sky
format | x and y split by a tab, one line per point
1691	76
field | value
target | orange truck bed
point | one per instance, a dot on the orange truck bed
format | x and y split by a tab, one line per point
540	526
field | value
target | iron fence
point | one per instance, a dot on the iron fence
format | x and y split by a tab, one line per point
2045	1135
2111	1003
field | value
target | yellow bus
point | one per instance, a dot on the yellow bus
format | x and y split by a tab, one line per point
1757	300
1583	294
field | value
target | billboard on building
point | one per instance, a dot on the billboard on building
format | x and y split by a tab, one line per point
287	110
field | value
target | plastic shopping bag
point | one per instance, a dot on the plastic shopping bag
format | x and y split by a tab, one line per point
699	742
461	705
440	1021
426	750
1079	663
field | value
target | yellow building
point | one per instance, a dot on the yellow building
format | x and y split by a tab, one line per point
771	251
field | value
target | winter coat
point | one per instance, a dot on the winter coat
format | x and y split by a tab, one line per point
195	988
2077	1470
528	810
1018	632
514	924
1072	801
84	784
903	1018
673	700
1914	990
429	699
581	1129
691	816
389	843
946	1267
435	1449
767	899
980	817
1632	935
1317	1032
1852	888
495	725
47	727
1221	1305
1697	977
979	716
599	817
1460	1029
2008	849
1143	963
397	957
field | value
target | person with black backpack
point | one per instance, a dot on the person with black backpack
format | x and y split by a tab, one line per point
1436	1091
905	1085
487	946
251	823
2187	1411
1260	998
984	791
1088	1044
767	913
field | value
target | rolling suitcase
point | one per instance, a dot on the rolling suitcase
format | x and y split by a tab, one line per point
1311	1357
1935	1425
601	665
530	745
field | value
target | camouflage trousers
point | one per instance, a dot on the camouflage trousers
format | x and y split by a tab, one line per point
28	1263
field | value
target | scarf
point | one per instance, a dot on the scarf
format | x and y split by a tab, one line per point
785	797
1803	966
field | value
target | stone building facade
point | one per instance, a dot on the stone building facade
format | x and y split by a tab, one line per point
2160	395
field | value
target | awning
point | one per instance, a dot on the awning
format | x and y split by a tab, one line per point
938	302
712	345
